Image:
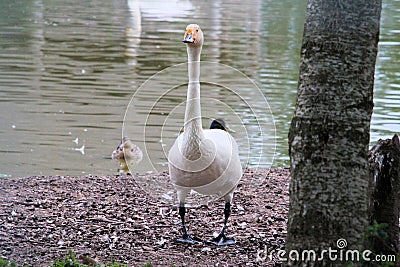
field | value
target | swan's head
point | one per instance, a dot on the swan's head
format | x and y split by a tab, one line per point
193	35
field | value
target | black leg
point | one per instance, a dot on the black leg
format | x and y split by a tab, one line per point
222	239
186	238
182	212
227	213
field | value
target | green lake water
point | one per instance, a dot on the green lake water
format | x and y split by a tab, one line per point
84	73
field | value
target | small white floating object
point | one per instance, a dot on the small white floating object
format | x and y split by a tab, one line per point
13	126
76	141
81	149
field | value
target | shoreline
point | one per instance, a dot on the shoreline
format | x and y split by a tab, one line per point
112	217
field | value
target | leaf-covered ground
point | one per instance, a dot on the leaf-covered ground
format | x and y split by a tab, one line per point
110	218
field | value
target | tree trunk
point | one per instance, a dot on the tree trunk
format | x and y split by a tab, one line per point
329	133
384	160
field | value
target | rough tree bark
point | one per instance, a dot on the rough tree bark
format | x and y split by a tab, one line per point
384	162
329	133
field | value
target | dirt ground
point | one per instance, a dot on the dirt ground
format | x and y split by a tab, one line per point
110	218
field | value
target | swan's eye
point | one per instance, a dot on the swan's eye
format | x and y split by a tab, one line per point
197	30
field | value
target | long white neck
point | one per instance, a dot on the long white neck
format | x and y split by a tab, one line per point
192	124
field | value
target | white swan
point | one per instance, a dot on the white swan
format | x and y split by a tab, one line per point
206	161
126	154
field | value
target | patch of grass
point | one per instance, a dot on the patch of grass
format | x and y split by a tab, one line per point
115	264
377	230
69	260
7	263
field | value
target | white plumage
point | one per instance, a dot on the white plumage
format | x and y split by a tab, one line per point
206	161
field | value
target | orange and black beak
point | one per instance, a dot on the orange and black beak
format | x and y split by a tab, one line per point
190	36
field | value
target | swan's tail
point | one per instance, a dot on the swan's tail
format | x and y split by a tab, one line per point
220	124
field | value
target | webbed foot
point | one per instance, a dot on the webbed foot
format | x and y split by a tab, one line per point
221	240
187	239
